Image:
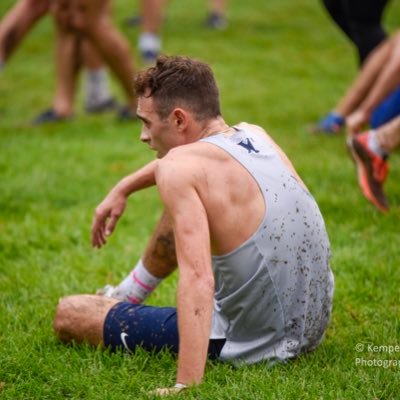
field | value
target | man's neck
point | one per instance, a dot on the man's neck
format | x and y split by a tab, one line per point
213	127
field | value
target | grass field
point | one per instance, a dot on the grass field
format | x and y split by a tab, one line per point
281	64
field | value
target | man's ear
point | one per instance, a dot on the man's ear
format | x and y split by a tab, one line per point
180	118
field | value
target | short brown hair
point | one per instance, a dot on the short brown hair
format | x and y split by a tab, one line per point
177	81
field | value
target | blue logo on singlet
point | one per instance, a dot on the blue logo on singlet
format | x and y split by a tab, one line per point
248	146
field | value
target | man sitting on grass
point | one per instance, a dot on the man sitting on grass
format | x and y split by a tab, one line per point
251	245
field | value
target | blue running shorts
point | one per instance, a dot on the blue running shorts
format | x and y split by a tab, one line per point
130	325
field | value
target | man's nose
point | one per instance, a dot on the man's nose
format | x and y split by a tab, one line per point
144	137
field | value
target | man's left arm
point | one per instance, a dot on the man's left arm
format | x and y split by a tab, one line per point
176	182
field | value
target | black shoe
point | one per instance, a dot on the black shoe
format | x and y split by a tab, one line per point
149	57
215	21
126	115
48	116
103	106
135	20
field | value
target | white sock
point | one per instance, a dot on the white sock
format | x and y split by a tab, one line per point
96	87
137	286
374	146
149	42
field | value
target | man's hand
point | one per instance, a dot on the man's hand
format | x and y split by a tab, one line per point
106	217
112	207
168	391
356	121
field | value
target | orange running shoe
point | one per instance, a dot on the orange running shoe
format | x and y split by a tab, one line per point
372	170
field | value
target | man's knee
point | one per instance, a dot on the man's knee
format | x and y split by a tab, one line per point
87	15
81	318
73	15
62	12
37	8
67	314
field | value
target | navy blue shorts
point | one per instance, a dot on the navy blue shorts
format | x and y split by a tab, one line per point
130	325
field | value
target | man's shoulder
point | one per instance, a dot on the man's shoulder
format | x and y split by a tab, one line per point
192	154
188	163
251	127
178	163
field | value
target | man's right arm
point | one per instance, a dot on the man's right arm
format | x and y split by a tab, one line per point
112	207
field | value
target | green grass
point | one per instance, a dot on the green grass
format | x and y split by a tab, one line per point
281	64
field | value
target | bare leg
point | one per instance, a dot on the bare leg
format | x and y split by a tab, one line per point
92	18
218	6
158	261
91	58
149	42
365	79
17	22
81	318
160	256
67	59
152	12
97	91
388	78
388	135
